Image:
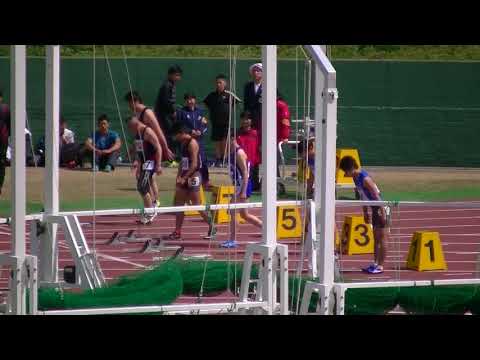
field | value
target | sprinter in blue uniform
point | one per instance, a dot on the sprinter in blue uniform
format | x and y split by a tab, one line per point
240	175
367	190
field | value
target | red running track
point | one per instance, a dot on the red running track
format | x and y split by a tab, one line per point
459	231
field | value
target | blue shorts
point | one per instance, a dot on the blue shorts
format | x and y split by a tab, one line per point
249	189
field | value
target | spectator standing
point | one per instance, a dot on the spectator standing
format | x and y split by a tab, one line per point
253	97
219	105
4	135
165	106
193	118
283	125
247	139
104	144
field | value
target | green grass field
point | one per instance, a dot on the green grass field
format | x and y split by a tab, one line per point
400	52
117	190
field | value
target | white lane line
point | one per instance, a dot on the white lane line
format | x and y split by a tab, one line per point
109	257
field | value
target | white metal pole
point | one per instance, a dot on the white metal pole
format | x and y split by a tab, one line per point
269	144
48	262
326	135
18	90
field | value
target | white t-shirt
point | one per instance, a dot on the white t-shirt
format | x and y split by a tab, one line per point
257	86
68	136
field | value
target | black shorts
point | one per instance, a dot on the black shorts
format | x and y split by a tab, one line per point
378	220
144	181
219	132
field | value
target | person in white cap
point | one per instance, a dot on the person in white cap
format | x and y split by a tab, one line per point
252	98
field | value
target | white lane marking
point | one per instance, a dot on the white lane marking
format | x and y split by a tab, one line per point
109	257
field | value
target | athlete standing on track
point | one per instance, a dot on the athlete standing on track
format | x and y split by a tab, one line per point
240	175
367	190
147	162
147	117
189	179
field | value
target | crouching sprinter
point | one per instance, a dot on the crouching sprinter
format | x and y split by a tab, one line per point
188	180
147	162
367	190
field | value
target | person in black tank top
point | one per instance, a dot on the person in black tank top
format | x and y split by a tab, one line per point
147	117
188	177
147	162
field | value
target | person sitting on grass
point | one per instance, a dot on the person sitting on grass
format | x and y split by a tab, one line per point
105	145
188	179
240	175
367	190
147	162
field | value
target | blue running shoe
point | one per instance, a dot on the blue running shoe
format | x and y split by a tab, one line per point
374	269
229	244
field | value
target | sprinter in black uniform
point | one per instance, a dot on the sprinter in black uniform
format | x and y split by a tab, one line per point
188	177
147	117
147	162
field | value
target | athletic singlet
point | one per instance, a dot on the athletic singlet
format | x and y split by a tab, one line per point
362	190
142	114
185	163
235	171
145	150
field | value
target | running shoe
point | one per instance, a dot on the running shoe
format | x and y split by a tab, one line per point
373	269
229	244
173	236
211	233
108	169
146	219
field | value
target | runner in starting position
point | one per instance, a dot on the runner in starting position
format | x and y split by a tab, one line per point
147	162
240	175
367	190
188	178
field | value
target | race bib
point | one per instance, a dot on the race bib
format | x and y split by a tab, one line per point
194	181
185	163
149	165
139	145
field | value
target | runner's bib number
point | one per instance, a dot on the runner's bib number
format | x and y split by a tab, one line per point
185	164
194	181
149	165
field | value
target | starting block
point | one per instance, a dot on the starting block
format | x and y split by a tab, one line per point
341	179
425	253
223	195
357	236
289	223
202	202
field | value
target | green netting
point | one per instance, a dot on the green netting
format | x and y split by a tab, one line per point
163	284
219	276
159	286
416	300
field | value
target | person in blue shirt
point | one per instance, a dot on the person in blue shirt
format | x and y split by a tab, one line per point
367	190
105	144
194	118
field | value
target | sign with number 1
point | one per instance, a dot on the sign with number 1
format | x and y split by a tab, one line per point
426	252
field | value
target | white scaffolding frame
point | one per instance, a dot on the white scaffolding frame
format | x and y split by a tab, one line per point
48	249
